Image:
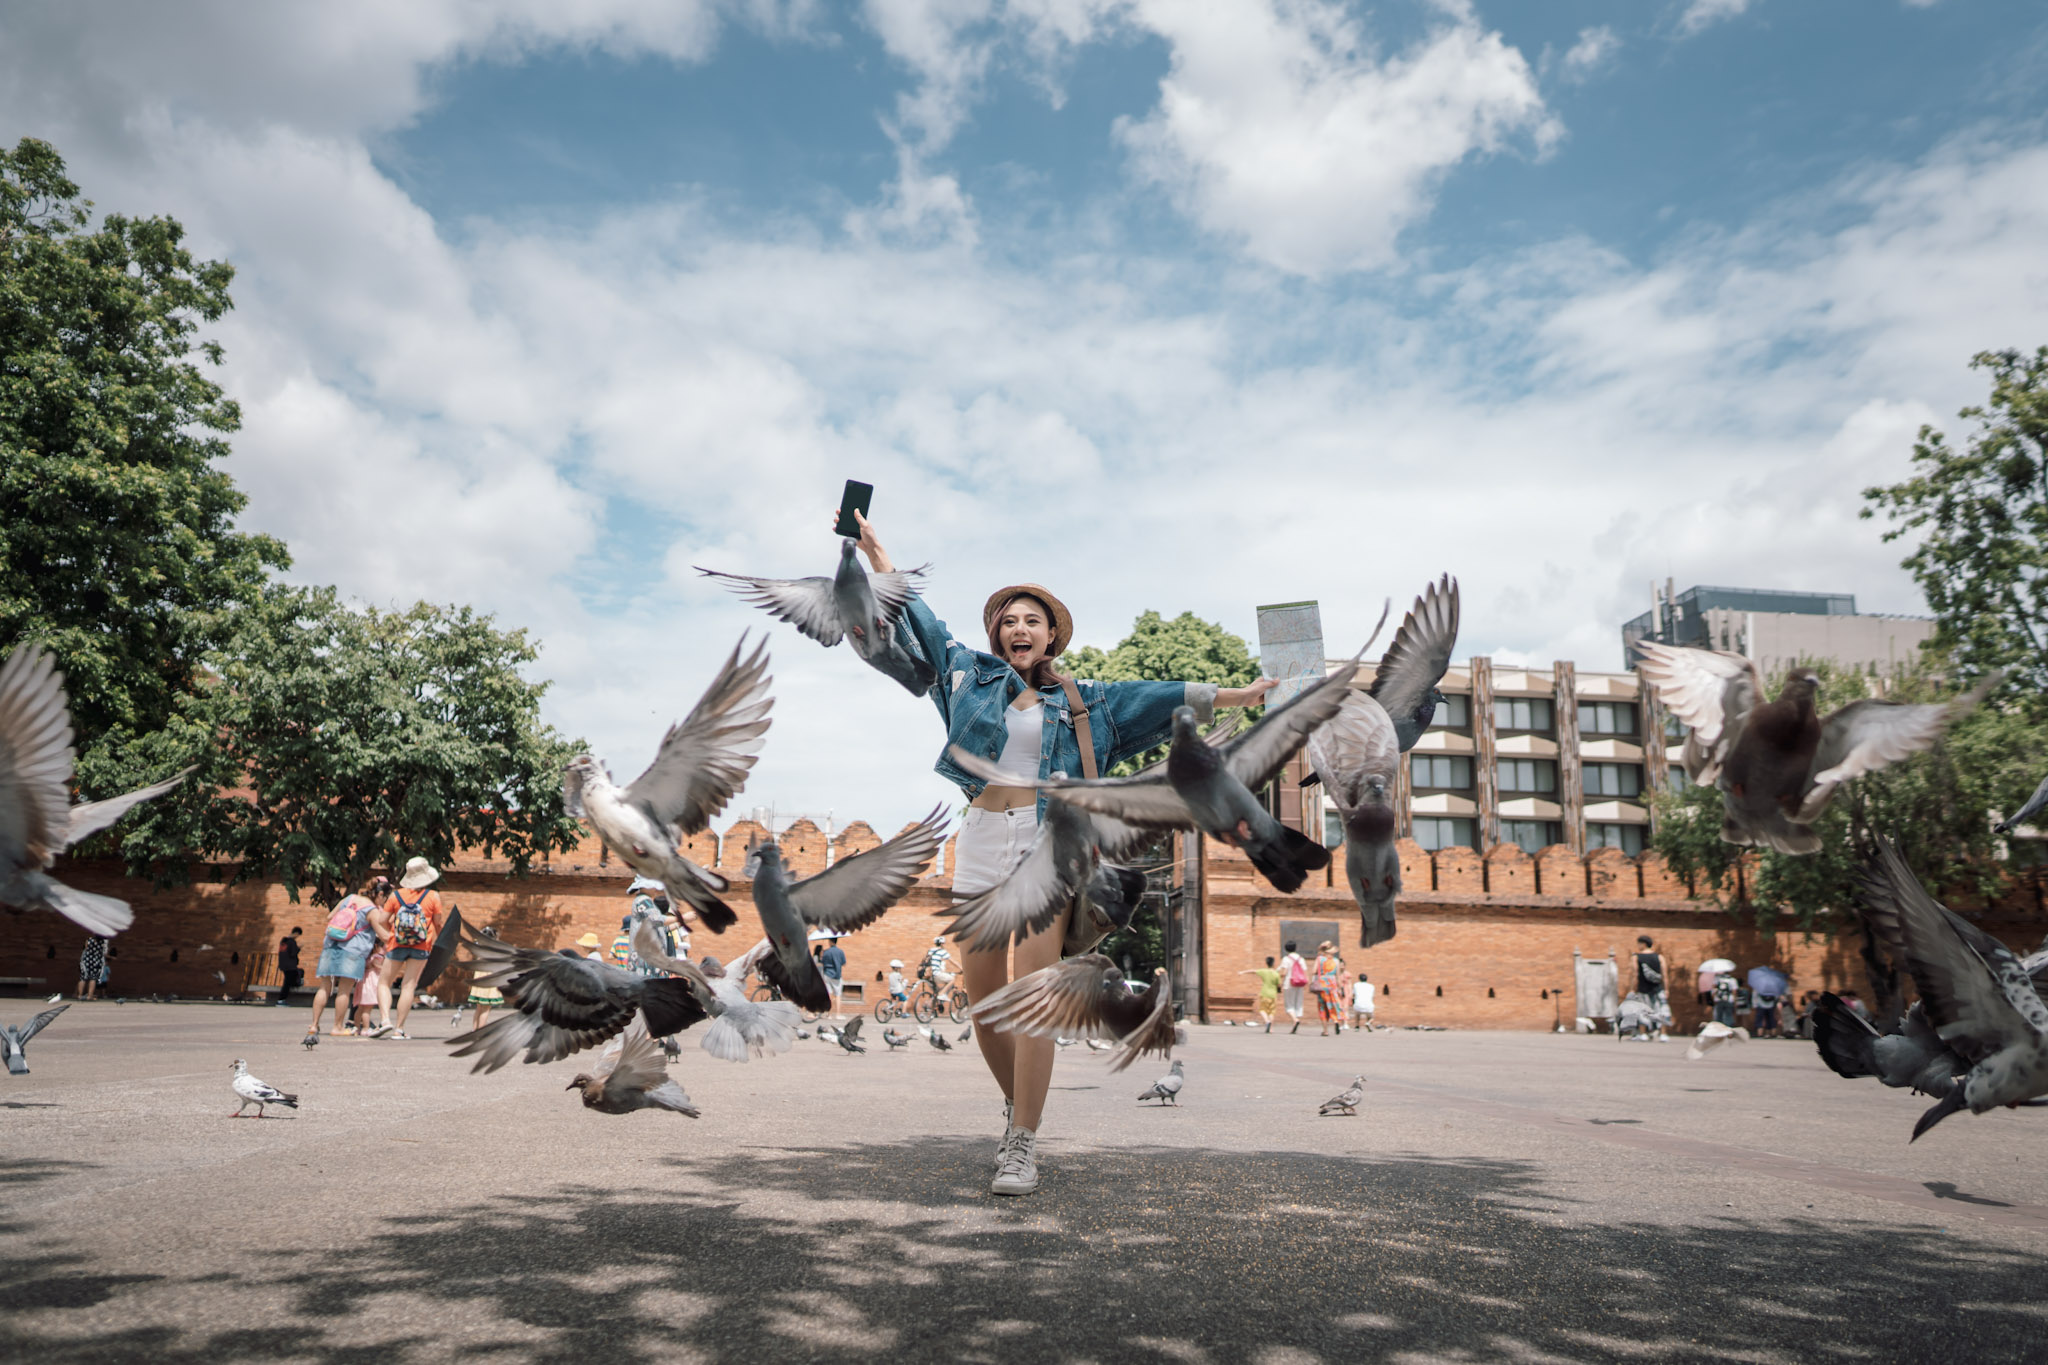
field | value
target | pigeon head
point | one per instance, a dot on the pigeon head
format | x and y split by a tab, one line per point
1377	792
238	1065
711	967
583	1078
759	855
1184	726
1425	710
1800	686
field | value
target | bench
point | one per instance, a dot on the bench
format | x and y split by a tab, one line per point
23	981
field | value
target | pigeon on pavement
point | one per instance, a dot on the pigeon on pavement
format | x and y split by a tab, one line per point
2026	812
1778	763
849	1037
559	1003
1977	993
894	1039
252	1091
310	1041
853	604
37	819
1085	997
740	1028
1712	1034
1211	789
966	1034
701	766
936	1039
1348	1101
14	1041
1167	1088
632	1074
851	894
1098	1045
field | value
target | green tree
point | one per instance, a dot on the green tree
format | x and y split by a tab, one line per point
117	540
1982	513
332	740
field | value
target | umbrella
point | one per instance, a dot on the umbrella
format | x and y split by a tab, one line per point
444	948
817	934
1717	964
1767	980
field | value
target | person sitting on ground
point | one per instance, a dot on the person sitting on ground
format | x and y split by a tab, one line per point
1269	991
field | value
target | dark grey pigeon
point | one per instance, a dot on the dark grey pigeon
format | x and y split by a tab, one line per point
894	1039
1358	757
936	1038
1912	1057
854	605
1405	684
851	894
849	1037
1085	997
1211	789
2026	812
14	1041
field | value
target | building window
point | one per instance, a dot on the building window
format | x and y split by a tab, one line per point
1521	713
1453	713
1613	779
1531	836
1440	771
1675	778
1333	829
1674	728
1526	775
1627	838
1435	832
1607	718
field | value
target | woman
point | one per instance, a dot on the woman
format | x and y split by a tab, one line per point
1329	1004
92	967
1009	703
345	953
412	921
1294	978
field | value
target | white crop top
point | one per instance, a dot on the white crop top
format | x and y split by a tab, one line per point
1026	733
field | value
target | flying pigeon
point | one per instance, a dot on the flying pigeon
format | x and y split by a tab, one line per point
1211	789
632	1074
701	765
1978	995
560	1002
740	1028
2026	812
1778	763
1085	997
894	1039
1712	1035
1167	1088
852	604
936	1039
1911	1057
1346	1103
14	1041
851	894
827	1034
37	819
1405	683
310	1041
849	1037
253	1091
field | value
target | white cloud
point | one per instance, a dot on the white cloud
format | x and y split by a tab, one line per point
1594	48
1702	14
1280	127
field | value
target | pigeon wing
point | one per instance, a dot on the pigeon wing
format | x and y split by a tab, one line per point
703	762
572	792
638	1066
91	817
894	589
1963	999
1152	1029
1138	802
35	756
1082	997
1043	885
1863	737
805	603
38	1024
854	892
1256	756
1421	650
1357	743
1709	690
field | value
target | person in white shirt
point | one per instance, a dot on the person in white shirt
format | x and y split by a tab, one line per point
1361	1002
1293	985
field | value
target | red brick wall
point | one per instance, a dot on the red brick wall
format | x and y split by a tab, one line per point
1510	871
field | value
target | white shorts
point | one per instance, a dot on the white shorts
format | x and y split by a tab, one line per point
1292	996
990	845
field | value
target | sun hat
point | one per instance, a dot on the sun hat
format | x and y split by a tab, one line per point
588	941
895	962
1062	619
418	873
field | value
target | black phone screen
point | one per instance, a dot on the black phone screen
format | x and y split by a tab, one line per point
857	498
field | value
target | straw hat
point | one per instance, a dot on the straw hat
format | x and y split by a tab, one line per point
588	941
1062	619
418	873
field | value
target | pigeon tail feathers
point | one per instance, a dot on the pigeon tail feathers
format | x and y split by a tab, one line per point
671	1005
1951	1103
1847	1042
101	916
1287	859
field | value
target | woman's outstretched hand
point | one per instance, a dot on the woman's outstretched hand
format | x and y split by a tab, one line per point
868	544
1253	695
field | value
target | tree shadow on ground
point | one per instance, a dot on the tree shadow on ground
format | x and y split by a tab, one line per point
1190	1255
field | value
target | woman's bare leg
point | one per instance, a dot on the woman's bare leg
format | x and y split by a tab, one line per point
986	973
320	1004
411	974
1031	1072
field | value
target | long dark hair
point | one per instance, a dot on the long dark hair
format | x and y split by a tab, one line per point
1042	674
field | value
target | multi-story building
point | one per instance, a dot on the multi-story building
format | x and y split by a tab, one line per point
1777	629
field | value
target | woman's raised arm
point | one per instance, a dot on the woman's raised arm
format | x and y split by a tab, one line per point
869	543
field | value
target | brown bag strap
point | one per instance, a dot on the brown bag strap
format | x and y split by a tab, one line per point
1081	732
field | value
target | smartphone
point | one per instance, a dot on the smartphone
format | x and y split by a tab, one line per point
857	498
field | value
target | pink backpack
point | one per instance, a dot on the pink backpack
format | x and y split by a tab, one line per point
1297	973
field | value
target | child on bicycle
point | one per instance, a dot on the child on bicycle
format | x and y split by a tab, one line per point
899	989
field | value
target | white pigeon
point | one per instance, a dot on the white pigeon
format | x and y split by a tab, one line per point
740	1028
253	1091
701	765
37	819
1167	1088
1712	1035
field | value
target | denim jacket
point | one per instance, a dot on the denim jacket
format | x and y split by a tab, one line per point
974	688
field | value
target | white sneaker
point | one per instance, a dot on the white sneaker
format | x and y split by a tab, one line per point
1017	1171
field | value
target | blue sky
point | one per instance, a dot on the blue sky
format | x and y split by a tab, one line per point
1172	306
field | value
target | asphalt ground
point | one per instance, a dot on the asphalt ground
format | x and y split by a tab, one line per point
1512	1197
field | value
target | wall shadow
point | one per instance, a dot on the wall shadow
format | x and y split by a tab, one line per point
1143	1253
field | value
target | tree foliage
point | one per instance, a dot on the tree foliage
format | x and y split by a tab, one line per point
1982	560
117	540
332	740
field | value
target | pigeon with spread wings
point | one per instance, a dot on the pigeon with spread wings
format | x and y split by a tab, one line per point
1778	763
14	1041
741	1028
1085	997
854	605
1405	683
701	765
37	819
851	894
561	1002
632	1074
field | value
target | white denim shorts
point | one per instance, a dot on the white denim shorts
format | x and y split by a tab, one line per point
990	845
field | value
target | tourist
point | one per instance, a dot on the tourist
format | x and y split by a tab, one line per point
345	953
1269	991
1724	999
288	967
1764	1019
1294	978
414	921
622	943
899	989
593	949
373	993
1361	1002
483	999
1329	1007
1650	985
92	967
832	965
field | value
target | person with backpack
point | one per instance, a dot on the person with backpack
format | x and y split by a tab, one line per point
345	953
413	921
1294	976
